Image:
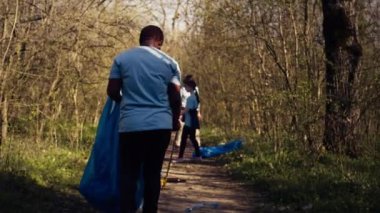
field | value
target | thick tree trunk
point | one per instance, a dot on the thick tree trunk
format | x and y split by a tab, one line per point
343	53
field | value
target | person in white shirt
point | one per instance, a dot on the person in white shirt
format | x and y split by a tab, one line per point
190	119
184	95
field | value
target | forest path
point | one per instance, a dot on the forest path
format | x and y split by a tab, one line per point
206	182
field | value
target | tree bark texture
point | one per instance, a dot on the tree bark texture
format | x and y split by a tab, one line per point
343	53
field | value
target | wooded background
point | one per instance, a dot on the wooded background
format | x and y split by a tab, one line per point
260	65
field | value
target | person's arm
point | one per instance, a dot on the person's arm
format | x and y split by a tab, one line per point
175	104
113	89
174	92
199	115
114	82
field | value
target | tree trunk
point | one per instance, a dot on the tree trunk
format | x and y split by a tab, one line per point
4	120
343	53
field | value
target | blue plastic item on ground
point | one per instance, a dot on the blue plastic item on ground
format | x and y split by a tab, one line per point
210	206
100	180
213	151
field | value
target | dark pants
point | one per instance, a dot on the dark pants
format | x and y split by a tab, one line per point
188	132
146	150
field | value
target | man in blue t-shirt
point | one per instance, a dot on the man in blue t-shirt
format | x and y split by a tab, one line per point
146	82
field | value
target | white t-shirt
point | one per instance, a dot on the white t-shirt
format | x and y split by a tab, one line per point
145	73
185	94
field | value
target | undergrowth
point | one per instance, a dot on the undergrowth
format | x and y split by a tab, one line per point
41	178
45	178
301	181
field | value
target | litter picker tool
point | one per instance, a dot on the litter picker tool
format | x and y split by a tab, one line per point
165	179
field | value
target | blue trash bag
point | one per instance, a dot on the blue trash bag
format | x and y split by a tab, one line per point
100	180
213	151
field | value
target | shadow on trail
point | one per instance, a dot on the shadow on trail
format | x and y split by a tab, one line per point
205	183
19	193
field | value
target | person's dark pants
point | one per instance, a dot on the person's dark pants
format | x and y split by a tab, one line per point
188	132
146	150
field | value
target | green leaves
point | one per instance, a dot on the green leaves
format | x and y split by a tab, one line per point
328	184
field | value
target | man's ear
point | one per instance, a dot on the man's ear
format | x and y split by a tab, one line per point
158	43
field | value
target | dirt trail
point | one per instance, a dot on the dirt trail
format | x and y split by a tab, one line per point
206	182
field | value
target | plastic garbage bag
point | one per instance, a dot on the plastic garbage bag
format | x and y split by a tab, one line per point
203	206
100	180
213	151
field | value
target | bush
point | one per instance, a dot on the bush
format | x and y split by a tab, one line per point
298	180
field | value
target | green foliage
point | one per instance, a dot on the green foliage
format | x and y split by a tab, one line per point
327	183
44	177
212	136
55	167
46	165
65	130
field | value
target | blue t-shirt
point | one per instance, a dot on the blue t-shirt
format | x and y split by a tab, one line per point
145	73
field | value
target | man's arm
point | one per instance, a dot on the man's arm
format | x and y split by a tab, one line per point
113	89
175	104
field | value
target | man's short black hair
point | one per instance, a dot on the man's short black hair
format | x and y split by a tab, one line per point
151	32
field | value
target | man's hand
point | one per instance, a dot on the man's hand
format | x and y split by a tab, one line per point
113	89
176	125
